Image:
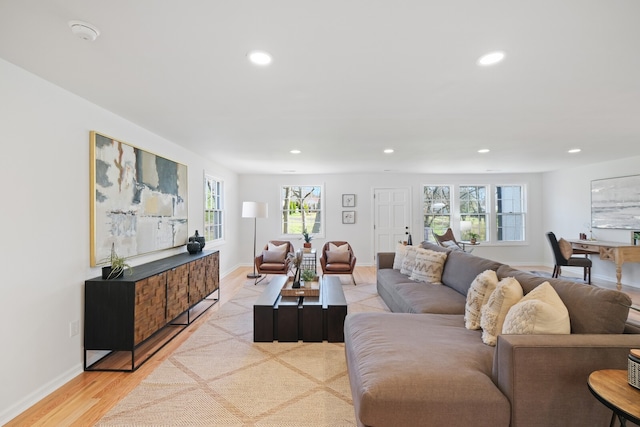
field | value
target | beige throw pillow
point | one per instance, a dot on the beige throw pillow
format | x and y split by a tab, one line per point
507	293
478	296
565	248
341	248
428	266
541	311
409	261
340	257
401	252
282	248
275	256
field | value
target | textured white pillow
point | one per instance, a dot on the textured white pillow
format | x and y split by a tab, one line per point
428	266
507	293
409	261
477	296
401	252
341	248
281	248
541	311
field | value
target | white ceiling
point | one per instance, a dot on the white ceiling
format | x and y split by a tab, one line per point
352	77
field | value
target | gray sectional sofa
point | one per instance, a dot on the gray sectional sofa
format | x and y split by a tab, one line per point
420	366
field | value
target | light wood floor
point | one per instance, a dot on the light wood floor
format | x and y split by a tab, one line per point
86	398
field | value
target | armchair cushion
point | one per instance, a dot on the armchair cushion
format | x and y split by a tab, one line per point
282	248
274	256
336	248
338	256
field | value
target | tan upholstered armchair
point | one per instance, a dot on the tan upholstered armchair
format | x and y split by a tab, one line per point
273	259
338	258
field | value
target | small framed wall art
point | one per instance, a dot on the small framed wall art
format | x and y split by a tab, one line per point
348	217
348	200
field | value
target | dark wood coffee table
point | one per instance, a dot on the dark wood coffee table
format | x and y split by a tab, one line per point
311	319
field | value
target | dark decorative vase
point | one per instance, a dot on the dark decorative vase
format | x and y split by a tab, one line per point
106	273
193	247
197	238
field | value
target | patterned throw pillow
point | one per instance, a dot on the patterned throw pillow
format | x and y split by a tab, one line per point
507	293
541	311
409	261
477	296
401	252
428	266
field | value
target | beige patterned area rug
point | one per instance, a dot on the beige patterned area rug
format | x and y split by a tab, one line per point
220	377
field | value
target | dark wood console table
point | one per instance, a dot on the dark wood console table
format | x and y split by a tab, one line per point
127	320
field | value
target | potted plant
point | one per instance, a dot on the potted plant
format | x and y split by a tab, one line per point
307	240
117	266
308	275
473	238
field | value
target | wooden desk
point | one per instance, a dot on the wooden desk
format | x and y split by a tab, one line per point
610	251
610	387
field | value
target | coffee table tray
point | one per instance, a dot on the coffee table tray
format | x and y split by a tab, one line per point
310	289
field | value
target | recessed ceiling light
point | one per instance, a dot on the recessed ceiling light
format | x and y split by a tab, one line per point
295	151
574	150
83	30
483	150
259	57
491	58
388	150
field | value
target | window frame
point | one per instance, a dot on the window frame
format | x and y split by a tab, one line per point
429	230
320	210
220	209
522	213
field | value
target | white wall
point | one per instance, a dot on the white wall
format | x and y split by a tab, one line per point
360	235
567	211
44	132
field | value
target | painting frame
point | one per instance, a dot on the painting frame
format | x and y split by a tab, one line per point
348	217
615	203
139	200
348	200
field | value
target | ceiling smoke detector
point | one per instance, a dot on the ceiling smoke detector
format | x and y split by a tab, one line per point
83	30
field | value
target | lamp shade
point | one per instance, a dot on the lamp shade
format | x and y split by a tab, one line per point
255	210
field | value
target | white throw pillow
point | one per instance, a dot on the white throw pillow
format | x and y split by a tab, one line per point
428	266
281	248
507	293
478	296
401	252
541	311
409	261
341	248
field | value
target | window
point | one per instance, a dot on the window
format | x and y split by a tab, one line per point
473	211
213	209
510	213
301	209
436	210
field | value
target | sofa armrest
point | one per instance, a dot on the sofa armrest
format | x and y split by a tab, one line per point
385	260
545	376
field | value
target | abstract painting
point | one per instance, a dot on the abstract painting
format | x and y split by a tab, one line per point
139	200
615	203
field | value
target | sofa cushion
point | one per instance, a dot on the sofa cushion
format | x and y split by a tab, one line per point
387	279
541	311
420	297
507	292
592	310
401	252
428	266
462	268
478	295
409	261
426	369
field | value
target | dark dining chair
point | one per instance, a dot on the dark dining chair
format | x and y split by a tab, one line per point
562	252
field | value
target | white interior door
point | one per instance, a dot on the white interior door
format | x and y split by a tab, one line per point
392	217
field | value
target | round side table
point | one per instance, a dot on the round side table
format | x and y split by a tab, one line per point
610	387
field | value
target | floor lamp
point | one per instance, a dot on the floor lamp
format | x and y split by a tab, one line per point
254	210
